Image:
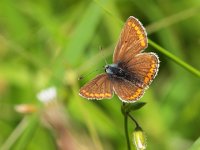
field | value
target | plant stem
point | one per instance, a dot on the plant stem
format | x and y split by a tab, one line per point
126	131
15	134
175	59
136	123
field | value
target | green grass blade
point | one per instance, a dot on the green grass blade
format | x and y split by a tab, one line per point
195	145
175	59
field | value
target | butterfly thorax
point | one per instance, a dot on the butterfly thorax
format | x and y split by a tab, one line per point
116	71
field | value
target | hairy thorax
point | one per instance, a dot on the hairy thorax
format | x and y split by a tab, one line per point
115	71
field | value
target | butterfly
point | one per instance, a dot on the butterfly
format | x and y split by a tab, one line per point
132	70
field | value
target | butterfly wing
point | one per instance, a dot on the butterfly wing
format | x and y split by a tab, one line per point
143	67
133	40
99	88
126	90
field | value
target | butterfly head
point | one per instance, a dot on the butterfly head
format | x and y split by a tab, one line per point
109	69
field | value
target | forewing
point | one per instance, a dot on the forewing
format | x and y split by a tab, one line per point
144	67
133	40
126	90
99	88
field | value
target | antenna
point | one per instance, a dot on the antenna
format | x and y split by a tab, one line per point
101	50
83	76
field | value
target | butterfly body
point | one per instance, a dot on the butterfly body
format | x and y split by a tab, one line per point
131	72
115	71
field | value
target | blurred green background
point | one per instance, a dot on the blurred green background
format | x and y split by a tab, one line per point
52	42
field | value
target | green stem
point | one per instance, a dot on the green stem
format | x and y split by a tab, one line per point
133	119
175	59
126	131
14	136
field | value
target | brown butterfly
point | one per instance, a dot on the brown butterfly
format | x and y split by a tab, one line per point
131	71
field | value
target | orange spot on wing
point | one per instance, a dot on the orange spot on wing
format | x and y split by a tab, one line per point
107	94
133	25
151	72
136	28
97	95
129	23
136	94
153	66
146	80
92	95
141	37
101	95
142	43
149	75
138	32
